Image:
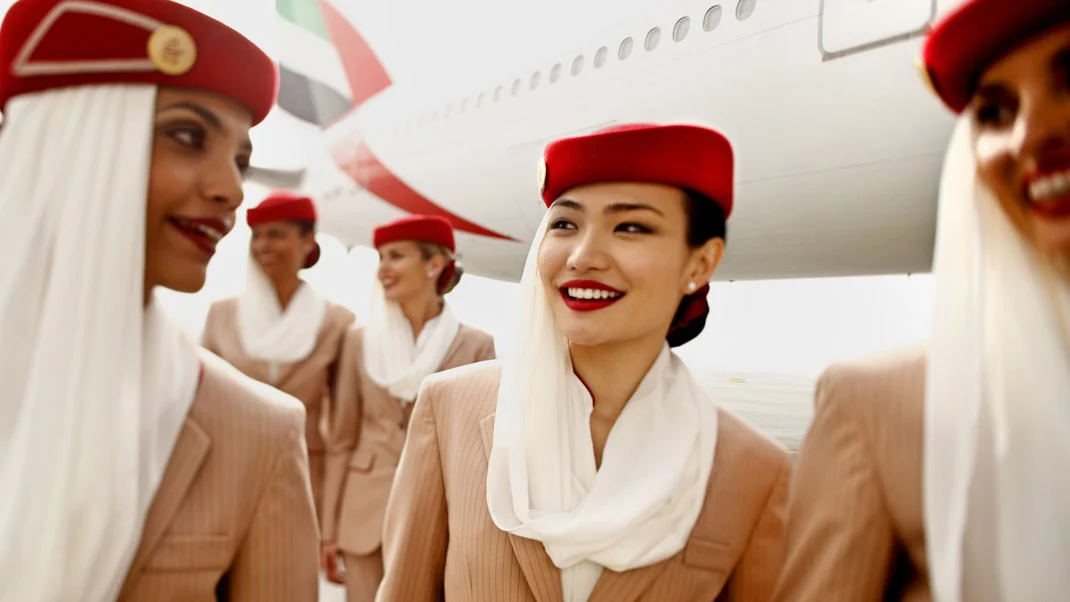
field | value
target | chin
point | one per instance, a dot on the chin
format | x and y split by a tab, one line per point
190	282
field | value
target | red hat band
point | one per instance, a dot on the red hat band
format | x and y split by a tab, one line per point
285	206
686	156
48	44
420	228
966	42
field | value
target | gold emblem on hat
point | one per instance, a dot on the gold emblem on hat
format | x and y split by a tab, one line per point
926	75
542	176
172	50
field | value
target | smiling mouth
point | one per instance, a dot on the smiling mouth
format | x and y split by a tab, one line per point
588	295
1049	195
206	234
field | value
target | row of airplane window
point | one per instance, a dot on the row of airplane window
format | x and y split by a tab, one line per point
710	20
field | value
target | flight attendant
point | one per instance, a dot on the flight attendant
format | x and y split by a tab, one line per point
589	464
132	466
940	473
279	331
410	334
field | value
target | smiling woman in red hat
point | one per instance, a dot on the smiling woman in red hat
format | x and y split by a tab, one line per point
589	464
133	466
279	331
940	473
410	333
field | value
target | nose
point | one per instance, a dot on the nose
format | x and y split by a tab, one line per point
589	254
223	185
1043	126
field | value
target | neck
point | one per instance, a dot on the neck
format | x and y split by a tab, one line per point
613	373
286	288
421	310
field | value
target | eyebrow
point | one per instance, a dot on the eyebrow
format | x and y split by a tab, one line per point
207	115
614	208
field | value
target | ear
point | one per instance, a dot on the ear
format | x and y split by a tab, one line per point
703	262
436	264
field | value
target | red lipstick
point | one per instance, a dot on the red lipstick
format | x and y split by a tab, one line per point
205	233
588	295
1047	186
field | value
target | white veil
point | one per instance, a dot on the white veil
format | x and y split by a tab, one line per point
270	334
95	388
541	479
997	420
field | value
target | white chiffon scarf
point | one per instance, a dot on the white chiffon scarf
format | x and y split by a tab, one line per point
997	417
270	334
393	358
639	507
95	387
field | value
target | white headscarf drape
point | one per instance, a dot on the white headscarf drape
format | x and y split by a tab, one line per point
393	358
639	507
95	388
997	419
270	334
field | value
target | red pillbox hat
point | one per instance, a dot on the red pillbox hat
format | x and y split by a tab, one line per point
420	228
974	36
685	156
47	44
285	206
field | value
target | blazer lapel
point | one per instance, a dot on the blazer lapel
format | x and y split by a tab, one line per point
189	454
543	577
452	351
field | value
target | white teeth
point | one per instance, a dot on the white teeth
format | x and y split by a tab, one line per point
590	293
1049	187
211	233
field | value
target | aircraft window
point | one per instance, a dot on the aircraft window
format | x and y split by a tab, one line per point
712	18
600	57
555	73
577	65
679	32
497	93
745	9
449	109
464	105
516	87
625	49
535	80
479	99
652	38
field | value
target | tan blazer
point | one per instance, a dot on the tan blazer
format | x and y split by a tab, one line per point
367	432
309	380
855	530
439	541
233	517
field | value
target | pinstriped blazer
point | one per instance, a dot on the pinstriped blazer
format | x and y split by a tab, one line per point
233	517
855	530
439	541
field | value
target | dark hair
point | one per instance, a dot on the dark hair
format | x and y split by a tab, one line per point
706	220
448	281
305	227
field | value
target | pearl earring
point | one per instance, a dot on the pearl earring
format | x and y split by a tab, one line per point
691	286
430	274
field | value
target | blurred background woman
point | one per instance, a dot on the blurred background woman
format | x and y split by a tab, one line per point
280	331
589	464
132	465
941	471
410	334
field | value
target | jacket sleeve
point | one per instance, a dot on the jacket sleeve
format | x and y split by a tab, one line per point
343	432
415	531
754	578
278	558
840	537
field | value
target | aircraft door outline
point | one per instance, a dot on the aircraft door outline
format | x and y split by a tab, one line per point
848	27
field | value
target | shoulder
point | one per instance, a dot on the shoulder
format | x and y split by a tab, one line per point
738	439
235	408
881	383
223	307
466	393
339	316
473	336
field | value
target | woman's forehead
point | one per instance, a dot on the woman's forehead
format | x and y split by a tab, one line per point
1038	51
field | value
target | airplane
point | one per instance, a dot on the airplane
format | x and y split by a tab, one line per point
838	142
